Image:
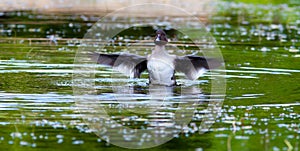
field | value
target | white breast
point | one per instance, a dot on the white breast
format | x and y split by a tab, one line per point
161	71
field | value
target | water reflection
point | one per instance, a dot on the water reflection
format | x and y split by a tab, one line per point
131	118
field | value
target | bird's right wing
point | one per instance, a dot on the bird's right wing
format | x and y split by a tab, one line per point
128	64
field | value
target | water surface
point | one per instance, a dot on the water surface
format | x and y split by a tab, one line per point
261	109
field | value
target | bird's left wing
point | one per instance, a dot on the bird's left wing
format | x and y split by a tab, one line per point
195	66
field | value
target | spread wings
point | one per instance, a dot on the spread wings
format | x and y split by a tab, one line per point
133	65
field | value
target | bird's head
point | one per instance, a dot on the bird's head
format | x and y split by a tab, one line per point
160	38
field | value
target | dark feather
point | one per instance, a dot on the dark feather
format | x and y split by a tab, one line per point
207	63
139	68
192	65
105	59
128	64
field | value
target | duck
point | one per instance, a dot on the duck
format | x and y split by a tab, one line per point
161	65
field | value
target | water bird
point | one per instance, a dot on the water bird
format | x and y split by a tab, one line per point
160	65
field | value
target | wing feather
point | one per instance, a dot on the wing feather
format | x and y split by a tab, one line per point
128	64
195	66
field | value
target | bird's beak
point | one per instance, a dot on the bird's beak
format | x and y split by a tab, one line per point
160	39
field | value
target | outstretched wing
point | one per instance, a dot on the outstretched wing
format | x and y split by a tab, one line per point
195	66
128	64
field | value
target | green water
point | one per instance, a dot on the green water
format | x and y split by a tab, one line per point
261	110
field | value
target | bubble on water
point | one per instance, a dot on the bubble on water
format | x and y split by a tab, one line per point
24	143
275	148
221	135
297	56
294	50
10	142
264	49
16	135
59	136
59	141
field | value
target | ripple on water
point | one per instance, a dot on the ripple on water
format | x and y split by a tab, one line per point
283	71
247	96
277	105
